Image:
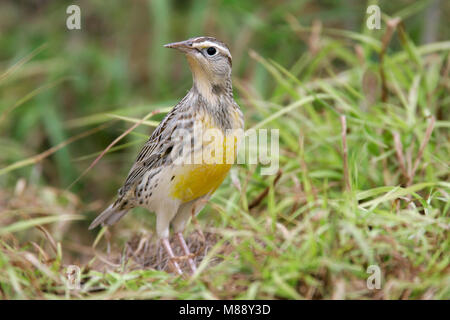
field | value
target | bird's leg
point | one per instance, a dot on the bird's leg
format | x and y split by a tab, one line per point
186	251
166	244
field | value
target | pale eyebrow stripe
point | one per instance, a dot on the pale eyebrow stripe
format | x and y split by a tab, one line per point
212	44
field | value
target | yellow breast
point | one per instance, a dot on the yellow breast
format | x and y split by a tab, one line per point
198	180
192	181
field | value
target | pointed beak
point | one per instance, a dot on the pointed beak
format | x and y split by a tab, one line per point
184	46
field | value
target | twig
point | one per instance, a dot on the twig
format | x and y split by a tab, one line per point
422	148
391	26
308	187
359	51
111	145
314	38
39	157
297	194
399	152
345	152
409	159
264	194
49	238
22	61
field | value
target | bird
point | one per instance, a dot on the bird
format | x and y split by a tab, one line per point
178	169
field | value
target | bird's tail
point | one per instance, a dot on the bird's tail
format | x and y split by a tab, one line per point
111	215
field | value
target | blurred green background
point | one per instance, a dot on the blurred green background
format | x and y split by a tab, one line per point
297	67
116	62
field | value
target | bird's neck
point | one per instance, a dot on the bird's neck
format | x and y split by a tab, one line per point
212	88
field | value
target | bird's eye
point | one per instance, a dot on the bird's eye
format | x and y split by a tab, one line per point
211	51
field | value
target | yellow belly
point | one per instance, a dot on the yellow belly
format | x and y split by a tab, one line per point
198	179
192	181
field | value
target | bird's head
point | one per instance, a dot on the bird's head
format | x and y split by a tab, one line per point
210	63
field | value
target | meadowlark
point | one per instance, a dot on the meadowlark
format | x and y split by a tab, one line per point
173	189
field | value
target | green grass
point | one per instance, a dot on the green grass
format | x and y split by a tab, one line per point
311	231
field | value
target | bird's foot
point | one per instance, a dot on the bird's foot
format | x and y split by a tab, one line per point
186	251
172	257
